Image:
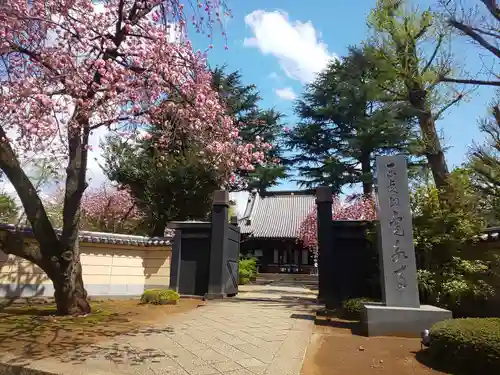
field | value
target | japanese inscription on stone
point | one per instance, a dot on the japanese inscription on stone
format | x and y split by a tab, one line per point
398	253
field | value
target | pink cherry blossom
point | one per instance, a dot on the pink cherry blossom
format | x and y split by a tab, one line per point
354	207
108	209
72	66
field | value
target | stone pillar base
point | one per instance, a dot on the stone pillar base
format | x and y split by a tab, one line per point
381	320
209	296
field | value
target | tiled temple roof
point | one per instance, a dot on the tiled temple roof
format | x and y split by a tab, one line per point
102	238
279	214
276	214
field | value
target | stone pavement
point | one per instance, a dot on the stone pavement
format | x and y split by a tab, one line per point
274	292
230	337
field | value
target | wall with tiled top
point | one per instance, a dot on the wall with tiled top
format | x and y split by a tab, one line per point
108	270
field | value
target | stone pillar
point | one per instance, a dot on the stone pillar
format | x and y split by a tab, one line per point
401	313
399	270
218	244
324	203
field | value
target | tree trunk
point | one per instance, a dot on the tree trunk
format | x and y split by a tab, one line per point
70	294
58	256
159	228
433	150
366	170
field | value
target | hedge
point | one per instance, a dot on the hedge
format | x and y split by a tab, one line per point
471	345
160	297
247	270
351	308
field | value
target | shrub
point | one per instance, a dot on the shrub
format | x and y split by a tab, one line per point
444	230
247	270
351	308
471	345
160	297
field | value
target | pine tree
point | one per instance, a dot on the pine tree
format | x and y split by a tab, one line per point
399	40
344	123
243	103
162	182
484	160
165	187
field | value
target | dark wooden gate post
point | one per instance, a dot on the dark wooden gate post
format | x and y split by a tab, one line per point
218	244
324	227
175	261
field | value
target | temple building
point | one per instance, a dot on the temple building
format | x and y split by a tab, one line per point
270	225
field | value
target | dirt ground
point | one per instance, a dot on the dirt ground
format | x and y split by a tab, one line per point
336	350
34	332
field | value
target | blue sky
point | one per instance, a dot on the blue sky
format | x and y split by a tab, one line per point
278	44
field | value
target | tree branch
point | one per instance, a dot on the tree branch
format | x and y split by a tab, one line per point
11	245
118	119
33	206
492	8
450	104
467	30
470	81
434	54
496	114
489	33
75	178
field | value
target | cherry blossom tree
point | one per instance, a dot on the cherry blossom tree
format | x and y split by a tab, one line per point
103	209
69	67
108	209
354	207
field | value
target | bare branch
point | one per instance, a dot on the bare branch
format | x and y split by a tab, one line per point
467	30
470	81
434	54
485	32
447	106
492	8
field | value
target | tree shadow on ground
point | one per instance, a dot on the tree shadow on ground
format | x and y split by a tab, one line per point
20	278
77	350
355	327
70	344
423	356
330	319
295	303
283	292
34	333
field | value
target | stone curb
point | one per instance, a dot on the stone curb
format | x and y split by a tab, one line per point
20	370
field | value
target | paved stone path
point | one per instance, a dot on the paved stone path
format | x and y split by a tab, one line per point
273	292
231	338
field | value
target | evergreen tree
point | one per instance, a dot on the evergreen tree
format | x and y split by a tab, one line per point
345	121
9	211
400	41
484	160
164	186
176	184
243	104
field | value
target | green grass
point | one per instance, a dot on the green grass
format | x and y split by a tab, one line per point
22	315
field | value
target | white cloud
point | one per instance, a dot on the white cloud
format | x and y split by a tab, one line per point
296	45
286	93
273	75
